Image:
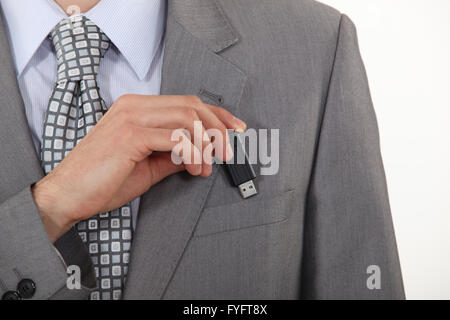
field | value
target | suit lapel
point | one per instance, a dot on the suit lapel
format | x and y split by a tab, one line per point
19	164
196	31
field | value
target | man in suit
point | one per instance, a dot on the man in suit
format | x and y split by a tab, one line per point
88	180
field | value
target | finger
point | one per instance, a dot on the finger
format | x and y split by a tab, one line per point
217	132
164	101
228	118
184	117
147	140
178	118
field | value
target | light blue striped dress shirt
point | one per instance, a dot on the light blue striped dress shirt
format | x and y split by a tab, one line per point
132	66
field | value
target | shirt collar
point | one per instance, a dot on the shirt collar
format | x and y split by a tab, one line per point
135	27
28	27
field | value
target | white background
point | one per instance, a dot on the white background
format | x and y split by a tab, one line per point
406	48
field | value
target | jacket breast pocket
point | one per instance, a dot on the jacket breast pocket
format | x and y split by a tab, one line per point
254	212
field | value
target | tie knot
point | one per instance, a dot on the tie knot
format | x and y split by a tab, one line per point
79	46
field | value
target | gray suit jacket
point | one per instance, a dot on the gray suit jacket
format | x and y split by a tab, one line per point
314	228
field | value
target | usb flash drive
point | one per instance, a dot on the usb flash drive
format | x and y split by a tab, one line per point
240	169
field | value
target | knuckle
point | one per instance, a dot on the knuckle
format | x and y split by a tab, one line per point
124	101
121	101
190	114
193	101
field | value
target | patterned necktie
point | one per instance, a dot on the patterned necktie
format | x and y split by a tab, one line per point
74	109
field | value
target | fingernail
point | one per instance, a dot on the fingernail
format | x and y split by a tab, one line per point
241	126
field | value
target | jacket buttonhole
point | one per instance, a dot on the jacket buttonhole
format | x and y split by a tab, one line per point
218	99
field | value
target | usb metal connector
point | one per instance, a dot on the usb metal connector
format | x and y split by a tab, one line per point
240	169
247	189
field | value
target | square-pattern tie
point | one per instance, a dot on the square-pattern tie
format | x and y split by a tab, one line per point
74	109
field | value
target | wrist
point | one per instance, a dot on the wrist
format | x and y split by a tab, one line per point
52	208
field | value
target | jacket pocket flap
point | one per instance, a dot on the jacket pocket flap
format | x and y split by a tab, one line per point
254	212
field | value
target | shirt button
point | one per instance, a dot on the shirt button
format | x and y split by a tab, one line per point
11	295
26	288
